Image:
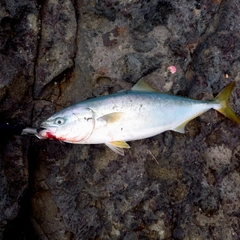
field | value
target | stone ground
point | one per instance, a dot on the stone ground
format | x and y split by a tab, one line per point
172	186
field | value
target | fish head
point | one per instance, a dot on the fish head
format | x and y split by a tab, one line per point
69	125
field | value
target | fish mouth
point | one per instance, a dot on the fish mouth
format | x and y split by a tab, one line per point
46	126
46	132
41	129
41	133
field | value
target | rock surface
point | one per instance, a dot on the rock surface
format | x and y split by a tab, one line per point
172	186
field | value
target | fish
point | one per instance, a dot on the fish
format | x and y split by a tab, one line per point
129	115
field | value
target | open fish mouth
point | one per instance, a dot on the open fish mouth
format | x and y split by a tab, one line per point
40	129
41	133
46	133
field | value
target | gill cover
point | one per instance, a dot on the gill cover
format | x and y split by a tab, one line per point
69	125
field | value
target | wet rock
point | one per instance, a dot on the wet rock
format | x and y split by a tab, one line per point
13	177
181	186
147	15
18	48
106	9
48	222
144	44
135	65
178	233
178	47
57	42
209	201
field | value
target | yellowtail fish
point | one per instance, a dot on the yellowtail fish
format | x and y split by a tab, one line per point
138	113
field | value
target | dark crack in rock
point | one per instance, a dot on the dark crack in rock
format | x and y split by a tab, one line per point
18	49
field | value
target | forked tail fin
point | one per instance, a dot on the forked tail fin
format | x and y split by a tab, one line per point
222	98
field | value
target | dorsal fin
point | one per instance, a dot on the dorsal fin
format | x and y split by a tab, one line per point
141	85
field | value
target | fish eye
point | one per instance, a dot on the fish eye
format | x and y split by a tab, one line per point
59	121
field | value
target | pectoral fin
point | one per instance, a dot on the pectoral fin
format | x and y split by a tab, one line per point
112	117
118	146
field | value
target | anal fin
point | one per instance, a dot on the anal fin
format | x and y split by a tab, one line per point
118	146
181	127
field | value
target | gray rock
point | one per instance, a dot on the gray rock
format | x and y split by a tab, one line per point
133	66
18	48
171	186
144	44
56	48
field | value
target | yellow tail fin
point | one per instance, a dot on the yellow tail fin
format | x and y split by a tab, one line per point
222	98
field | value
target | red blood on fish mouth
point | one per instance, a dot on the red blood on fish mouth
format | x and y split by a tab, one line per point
51	136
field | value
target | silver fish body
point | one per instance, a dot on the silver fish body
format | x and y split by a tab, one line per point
125	116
